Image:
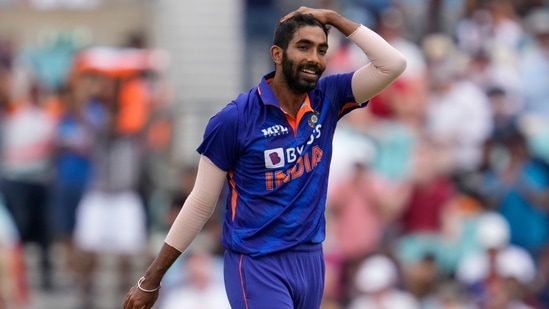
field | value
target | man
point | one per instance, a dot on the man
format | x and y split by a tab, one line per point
273	147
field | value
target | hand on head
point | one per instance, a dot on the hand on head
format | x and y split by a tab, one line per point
319	14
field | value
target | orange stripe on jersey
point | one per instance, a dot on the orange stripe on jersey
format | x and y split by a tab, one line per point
294	122
347	106
242	281
234	195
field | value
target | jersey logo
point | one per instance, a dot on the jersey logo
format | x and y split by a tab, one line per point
275	130
313	119
274	158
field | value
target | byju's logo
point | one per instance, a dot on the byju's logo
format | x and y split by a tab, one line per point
274	158
275	130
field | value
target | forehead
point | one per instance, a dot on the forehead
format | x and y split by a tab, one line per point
309	33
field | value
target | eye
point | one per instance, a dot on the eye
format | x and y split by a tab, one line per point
302	47
322	52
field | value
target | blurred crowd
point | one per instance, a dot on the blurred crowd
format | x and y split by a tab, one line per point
439	191
77	151
438	195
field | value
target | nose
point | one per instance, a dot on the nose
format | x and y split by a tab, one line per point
314	57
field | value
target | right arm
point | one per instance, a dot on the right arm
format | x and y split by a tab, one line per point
198	208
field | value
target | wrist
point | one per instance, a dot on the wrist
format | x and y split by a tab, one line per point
344	25
148	287
332	18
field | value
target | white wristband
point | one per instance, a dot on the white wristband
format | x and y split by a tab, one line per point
145	290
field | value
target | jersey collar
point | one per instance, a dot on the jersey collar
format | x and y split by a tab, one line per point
265	91
268	97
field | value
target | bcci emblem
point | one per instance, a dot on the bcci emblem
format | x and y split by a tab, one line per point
313	119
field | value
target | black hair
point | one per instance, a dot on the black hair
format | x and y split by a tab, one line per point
285	30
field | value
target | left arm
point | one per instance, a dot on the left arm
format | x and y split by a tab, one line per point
386	63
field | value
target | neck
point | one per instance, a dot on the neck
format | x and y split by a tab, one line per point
289	100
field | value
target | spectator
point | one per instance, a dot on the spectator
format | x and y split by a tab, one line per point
111	217
377	282
500	274
26	152
535	63
515	188
453	101
535	78
421	224
76	131
361	208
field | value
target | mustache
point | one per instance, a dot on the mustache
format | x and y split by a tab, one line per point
312	67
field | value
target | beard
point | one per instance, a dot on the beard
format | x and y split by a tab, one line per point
294	81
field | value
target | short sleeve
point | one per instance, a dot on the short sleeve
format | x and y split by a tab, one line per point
220	141
337	89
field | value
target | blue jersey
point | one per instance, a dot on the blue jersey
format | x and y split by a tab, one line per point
277	165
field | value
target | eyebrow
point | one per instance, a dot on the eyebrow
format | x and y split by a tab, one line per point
309	42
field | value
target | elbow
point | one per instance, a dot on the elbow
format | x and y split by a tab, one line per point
400	64
394	67
205	204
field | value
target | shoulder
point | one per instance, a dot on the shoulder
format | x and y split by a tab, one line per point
228	112
240	107
335	81
234	115
231	111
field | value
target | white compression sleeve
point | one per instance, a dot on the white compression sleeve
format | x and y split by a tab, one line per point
386	64
199	205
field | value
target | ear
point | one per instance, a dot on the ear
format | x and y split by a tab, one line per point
276	54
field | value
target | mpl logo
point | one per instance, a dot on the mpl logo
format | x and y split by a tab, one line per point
274	158
275	130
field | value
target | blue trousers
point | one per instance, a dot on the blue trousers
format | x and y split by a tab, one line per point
292	279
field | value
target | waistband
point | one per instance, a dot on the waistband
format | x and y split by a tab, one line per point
306	247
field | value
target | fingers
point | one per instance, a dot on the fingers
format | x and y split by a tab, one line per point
129	302
136	299
287	16
126	303
319	14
